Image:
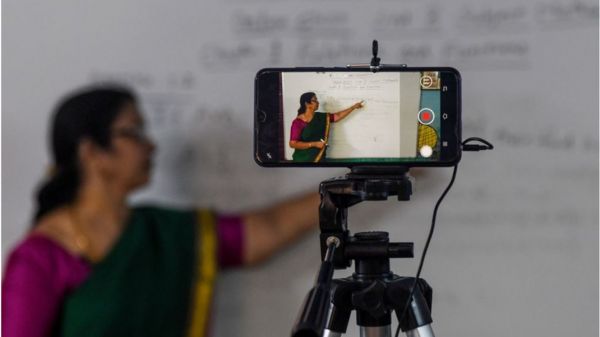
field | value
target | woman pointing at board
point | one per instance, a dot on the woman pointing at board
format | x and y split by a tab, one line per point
92	265
310	130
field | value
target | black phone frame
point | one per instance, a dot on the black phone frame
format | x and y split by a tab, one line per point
265	100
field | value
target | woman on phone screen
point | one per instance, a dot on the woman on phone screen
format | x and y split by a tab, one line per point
310	129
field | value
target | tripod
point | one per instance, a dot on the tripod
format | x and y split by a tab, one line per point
373	290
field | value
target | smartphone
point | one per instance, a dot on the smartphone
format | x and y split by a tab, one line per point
348	117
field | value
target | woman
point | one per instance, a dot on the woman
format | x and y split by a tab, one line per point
94	266
310	130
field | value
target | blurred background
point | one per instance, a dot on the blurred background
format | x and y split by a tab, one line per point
516	245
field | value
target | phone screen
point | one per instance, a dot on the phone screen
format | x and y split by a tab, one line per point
341	118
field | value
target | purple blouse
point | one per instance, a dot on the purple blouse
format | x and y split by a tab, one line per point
298	125
40	273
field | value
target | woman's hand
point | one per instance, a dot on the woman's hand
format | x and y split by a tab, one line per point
358	105
318	144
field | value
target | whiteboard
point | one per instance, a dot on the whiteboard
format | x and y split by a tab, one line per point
515	249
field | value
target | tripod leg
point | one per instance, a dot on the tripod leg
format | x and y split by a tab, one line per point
338	322
376	331
419	320
416	321
421	314
422	331
329	333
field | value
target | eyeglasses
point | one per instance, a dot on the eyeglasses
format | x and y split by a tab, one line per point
137	133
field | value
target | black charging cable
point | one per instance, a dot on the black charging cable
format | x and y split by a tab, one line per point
465	147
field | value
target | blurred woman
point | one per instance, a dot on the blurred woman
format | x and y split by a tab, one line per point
92	265
310	130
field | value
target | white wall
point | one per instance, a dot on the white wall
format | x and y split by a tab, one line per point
515	252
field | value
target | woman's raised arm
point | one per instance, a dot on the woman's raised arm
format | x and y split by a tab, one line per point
270	229
338	116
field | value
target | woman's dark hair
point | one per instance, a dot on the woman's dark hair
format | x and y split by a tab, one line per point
305	98
85	114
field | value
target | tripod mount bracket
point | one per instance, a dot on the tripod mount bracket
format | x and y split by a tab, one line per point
361	184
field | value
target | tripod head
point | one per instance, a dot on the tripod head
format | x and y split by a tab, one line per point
361	184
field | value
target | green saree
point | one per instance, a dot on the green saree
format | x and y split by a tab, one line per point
156	281
315	131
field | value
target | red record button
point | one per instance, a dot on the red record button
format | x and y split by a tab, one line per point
426	116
